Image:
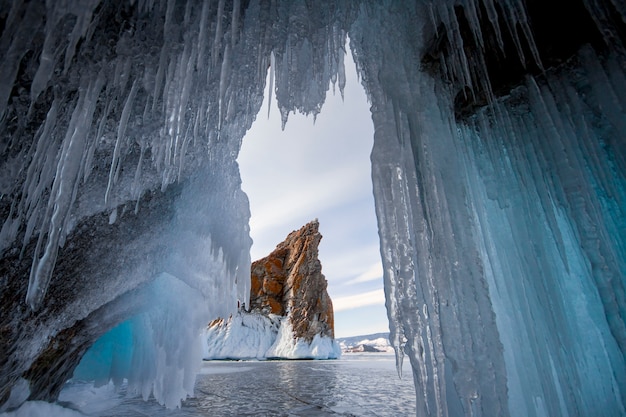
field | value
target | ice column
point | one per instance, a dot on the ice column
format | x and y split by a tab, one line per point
501	234
547	194
437	297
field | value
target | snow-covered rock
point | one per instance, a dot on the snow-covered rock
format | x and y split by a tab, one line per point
242	336
257	336
291	313
289	281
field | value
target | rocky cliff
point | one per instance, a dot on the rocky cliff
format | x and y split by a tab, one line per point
290	313
289	282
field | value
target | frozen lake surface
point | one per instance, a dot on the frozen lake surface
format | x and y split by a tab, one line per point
356	385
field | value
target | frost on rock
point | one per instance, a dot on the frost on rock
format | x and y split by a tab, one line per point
241	336
289	347
498	168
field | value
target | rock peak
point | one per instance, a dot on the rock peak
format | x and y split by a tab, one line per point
309	229
289	282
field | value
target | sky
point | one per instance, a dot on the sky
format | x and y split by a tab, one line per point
321	169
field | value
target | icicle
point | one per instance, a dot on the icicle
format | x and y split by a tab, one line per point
202	35
19	44
99	134
121	132
46	66
199	120
517	16
160	82
80	29
523	22
217	41
461	69
113	216
185	79
178	107
62	193
234	24
136	187
342	73
40	171
224	79
282	84
188	12
492	13
169	98
159	79
271	90
471	14
9	229
284	116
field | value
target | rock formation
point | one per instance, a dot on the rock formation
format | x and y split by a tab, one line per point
289	282
290	314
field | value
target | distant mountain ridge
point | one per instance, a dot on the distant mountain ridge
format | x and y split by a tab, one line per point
375	342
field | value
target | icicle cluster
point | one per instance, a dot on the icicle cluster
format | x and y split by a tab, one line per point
562	189
501	234
105	105
126	110
150	107
467	64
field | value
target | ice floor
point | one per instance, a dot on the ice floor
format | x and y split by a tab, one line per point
356	385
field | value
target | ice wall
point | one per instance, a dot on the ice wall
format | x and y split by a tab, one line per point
502	225
120	124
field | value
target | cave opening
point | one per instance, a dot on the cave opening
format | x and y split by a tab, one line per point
319	167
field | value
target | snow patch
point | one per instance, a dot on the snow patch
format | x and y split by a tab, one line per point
42	409
89	399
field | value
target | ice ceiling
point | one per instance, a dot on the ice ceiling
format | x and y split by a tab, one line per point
499	168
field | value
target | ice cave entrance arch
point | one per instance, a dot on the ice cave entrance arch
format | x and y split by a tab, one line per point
320	168
314	168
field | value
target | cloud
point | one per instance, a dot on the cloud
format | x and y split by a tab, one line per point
376	297
326	190
353	261
373	273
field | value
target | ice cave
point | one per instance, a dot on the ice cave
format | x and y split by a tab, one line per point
499	175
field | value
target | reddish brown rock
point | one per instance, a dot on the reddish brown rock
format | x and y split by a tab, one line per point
289	281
